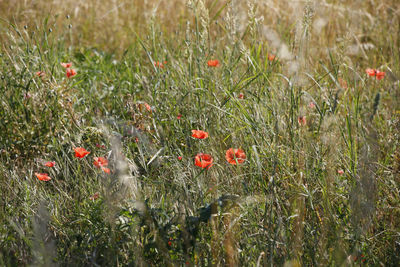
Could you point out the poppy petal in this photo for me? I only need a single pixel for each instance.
(66, 65)
(42, 176)
(70, 73)
(80, 152)
(199, 134)
(213, 63)
(203, 160)
(235, 156)
(50, 164)
(100, 162)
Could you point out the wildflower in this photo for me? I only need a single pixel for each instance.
(179, 116)
(27, 95)
(370, 72)
(66, 65)
(235, 156)
(362, 258)
(70, 73)
(302, 120)
(80, 152)
(101, 146)
(147, 106)
(199, 134)
(203, 160)
(100, 162)
(343, 83)
(40, 73)
(50, 164)
(159, 64)
(340, 172)
(106, 170)
(378, 74)
(95, 196)
(169, 243)
(42, 176)
(271, 57)
(213, 63)
(241, 96)
(180, 158)
(311, 105)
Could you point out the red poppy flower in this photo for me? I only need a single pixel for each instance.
(199, 134)
(370, 72)
(42, 176)
(213, 63)
(40, 73)
(302, 120)
(179, 116)
(80, 152)
(70, 73)
(235, 156)
(159, 64)
(343, 83)
(106, 170)
(362, 258)
(380, 75)
(241, 96)
(203, 160)
(271, 57)
(100, 162)
(340, 171)
(179, 158)
(95, 196)
(27, 95)
(101, 146)
(66, 65)
(50, 164)
(147, 106)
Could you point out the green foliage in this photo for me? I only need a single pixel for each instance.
(287, 204)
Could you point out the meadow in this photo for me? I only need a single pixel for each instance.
(200, 133)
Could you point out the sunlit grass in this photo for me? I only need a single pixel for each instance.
(313, 174)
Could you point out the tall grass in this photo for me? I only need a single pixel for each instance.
(324, 191)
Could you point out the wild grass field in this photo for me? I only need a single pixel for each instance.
(200, 133)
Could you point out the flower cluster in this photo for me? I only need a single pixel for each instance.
(99, 162)
(68, 70)
(159, 64)
(379, 75)
(234, 156)
(44, 176)
(80, 152)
